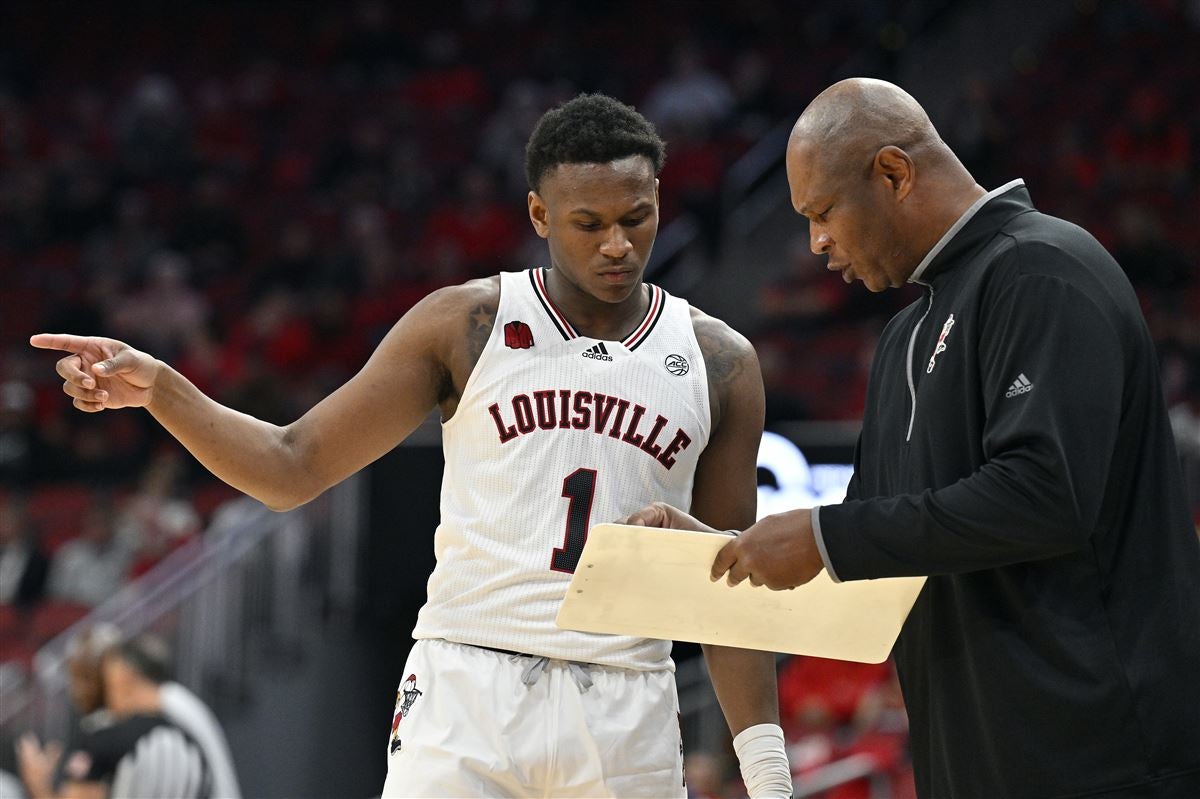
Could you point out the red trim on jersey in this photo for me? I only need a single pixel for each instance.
(540, 285)
(652, 314)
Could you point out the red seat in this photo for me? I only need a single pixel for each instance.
(17, 650)
(209, 496)
(10, 620)
(59, 507)
(51, 618)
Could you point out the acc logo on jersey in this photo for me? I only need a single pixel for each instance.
(518, 336)
(677, 365)
(405, 698)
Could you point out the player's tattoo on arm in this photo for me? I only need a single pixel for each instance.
(724, 359)
(479, 328)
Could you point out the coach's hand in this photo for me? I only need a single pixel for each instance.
(779, 552)
(660, 514)
(101, 373)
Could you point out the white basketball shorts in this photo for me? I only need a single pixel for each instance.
(473, 722)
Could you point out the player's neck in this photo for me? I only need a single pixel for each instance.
(592, 317)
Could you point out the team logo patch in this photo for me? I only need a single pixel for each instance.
(941, 344)
(677, 365)
(405, 697)
(598, 352)
(518, 336)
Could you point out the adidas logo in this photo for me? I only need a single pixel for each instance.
(597, 352)
(1020, 386)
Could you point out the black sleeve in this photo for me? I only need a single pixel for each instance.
(854, 486)
(1047, 450)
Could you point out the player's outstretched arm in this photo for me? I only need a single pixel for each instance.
(404, 379)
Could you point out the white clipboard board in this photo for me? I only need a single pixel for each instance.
(654, 583)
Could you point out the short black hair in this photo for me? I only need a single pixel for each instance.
(590, 129)
(148, 655)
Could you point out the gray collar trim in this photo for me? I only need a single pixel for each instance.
(915, 277)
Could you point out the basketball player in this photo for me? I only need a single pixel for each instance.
(568, 396)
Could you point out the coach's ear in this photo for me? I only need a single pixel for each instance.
(539, 215)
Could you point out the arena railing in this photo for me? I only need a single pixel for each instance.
(238, 591)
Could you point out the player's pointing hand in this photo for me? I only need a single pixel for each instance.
(660, 514)
(101, 373)
(779, 552)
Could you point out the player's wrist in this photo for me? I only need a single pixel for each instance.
(762, 760)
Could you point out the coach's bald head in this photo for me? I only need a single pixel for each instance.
(878, 185)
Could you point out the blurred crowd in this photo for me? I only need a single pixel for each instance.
(1102, 124)
(256, 192)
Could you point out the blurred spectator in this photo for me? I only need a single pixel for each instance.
(692, 98)
(1144, 253)
(502, 143)
(153, 130)
(23, 565)
(475, 226)
(167, 311)
(156, 520)
(90, 568)
(210, 229)
(18, 432)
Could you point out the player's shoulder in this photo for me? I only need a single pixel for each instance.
(452, 301)
(717, 337)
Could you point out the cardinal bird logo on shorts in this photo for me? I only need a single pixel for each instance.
(405, 697)
(518, 336)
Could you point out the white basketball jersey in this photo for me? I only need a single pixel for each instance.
(554, 433)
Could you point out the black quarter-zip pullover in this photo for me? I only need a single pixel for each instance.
(1016, 448)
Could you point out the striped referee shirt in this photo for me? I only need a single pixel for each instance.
(142, 757)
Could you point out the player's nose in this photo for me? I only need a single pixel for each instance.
(616, 243)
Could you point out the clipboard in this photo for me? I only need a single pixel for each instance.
(654, 583)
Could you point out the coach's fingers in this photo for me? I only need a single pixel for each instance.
(724, 560)
(70, 369)
(737, 574)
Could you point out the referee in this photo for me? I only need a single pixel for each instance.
(128, 749)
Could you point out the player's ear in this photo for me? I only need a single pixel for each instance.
(657, 199)
(539, 215)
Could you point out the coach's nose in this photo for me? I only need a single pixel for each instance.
(818, 238)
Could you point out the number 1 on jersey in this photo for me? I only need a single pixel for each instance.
(580, 488)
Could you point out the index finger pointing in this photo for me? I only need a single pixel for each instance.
(58, 341)
(724, 560)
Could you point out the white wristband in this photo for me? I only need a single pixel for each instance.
(763, 762)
